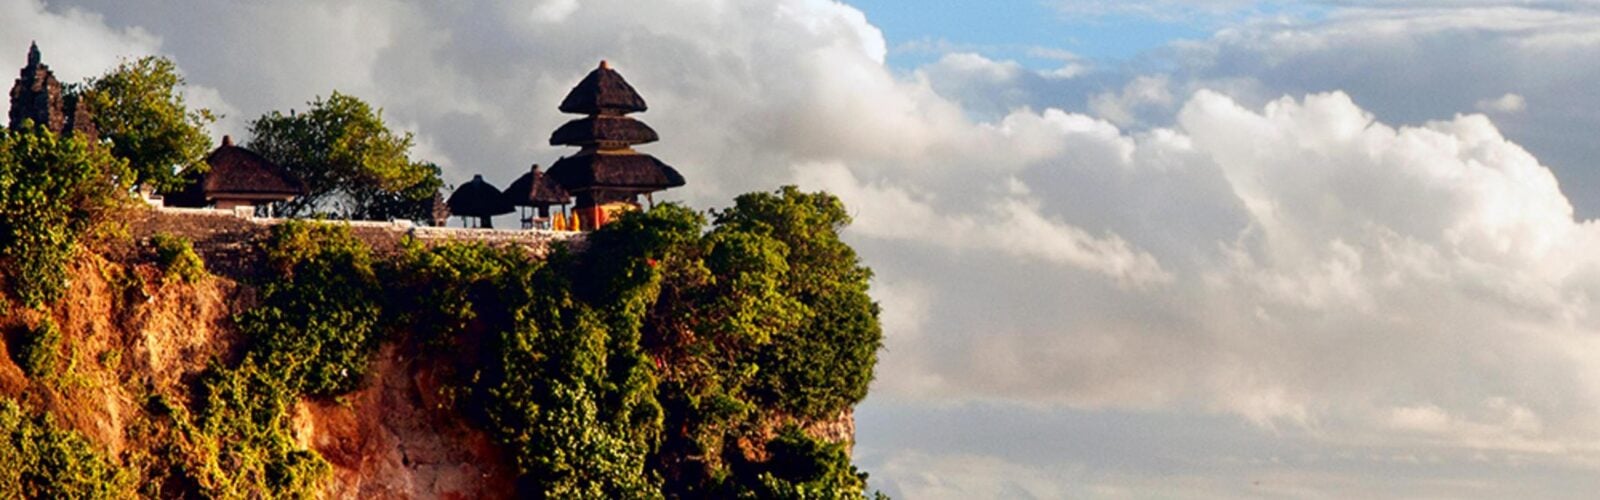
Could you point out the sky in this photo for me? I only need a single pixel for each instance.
(1135, 249)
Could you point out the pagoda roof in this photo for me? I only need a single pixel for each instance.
(603, 129)
(477, 198)
(236, 170)
(617, 170)
(535, 189)
(603, 91)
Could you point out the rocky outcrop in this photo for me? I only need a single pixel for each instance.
(398, 438)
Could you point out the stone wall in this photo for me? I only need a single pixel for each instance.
(227, 239)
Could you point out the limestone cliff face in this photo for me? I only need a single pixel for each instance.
(397, 439)
(129, 334)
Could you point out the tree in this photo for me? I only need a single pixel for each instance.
(53, 190)
(826, 363)
(140, 107)
(351, 163)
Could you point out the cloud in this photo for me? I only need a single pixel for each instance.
(1142, 92)
(1355, 268)
(1509, 103)
(1009, 225)
(76, 43)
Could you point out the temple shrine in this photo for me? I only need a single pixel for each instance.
(37, 96)
(607, 176)
(237, 177)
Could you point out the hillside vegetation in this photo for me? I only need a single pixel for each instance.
(672, 353)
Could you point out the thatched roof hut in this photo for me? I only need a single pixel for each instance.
(237, 177)
(535, 189)
(478, 198)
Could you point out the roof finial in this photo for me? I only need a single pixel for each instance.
(604, 64)
(33, 54)
(227, 140)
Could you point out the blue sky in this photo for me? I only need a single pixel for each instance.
(1254, 249)
(1014, 29)
(1026, 30)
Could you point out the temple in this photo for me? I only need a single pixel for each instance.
(238, 177)
(37, 97)
(606, 176)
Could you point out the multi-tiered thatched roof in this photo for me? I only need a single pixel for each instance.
(607, 169)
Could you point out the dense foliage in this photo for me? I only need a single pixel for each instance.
(352, 164)
(38, 459)
(139, 106)
(318, 319)
(37, 350)
(52, 191)
(639, 366)
(175, 255)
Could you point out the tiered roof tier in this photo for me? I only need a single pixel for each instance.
(606, 168)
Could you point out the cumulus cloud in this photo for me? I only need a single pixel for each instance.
(1352, 266)
(1011, 225)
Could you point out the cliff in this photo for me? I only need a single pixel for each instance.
(128, 333)
(431, 409)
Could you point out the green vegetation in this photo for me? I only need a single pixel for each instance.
(311, 336)
(38, 350)
(40, 460)
(636, 367)
(139, 106)
(52, 191)
(827, 363)
(318, 320)
(798, 467)
(353, 166)
(175, 255)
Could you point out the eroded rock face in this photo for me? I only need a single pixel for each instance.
(129, 333)
(397, 438)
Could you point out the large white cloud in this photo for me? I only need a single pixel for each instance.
(1190, 244)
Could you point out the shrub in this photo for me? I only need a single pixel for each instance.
(52, 191)
(40, 460)
(317, 323)
(175, 255)
(38, 350)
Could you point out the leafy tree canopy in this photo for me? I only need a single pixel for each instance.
(52, 191)
(139, 106)
(352, 164)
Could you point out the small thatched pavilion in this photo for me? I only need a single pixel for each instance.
(478, 198)
(607, 176)
(538, 191)
(238, 177)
